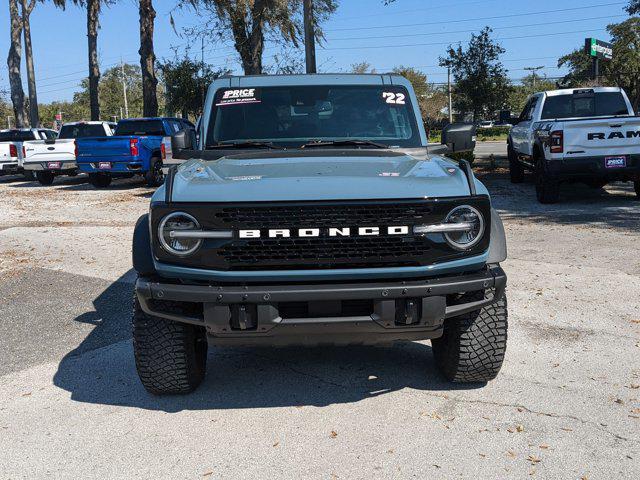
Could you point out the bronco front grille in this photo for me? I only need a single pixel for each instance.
(320, 252)
(326, 215)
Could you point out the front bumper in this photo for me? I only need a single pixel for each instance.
(594, 167)
(65, 165)
(397, 310)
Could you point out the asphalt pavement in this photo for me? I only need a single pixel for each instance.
(565, 405)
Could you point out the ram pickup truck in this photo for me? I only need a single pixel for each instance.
(136, 148)
(312, 212)
(57, 156)
(588, 135)
(11, 151)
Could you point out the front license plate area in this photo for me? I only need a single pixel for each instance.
(104, 166)
(54, 165)
(615, 162)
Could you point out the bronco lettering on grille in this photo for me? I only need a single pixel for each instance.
(328, 232)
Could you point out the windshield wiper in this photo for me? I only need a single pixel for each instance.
(249, 144)
(344, 143)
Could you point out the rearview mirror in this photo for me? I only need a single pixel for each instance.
(459, 137)
(182, 140)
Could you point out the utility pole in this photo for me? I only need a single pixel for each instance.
(533, 71)
(9, 122)
(124, 90)
(449, 93)
(309, 36)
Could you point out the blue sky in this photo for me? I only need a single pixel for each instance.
(408, 32)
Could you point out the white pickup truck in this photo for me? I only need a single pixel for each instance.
(11, 151)
(57, 156)
(588, 135)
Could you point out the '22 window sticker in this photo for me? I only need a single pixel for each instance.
(394, 98)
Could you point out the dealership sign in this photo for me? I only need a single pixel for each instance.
(598, 49)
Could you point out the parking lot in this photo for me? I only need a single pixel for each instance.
(565, 405)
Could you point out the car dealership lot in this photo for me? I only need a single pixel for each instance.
(566, 404)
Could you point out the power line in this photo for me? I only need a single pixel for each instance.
(460, 41)
(475, 30)
(495, 17)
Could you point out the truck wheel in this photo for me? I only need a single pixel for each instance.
(29, 175)
(547, 188)
(100, 180)
(516, 172)
(154, 177)
(171, 357)
(473, 345)
(45, 178)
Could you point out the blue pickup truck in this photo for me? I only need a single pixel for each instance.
(136, 148)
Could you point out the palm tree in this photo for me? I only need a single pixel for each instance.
(13, 64)
(147, 59)
(93, 25)
(27, 8)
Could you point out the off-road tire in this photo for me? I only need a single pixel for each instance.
(45, 177)
(170, 357)
(100, 180)
(473, 345)
(547, 188)
(516, 171)
(154, 177)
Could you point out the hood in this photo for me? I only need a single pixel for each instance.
(317, 175)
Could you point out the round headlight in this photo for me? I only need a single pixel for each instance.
(173, 234)
(467, 238)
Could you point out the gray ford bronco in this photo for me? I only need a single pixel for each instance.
(312, 212)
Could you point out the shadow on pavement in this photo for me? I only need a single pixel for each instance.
(101, 369)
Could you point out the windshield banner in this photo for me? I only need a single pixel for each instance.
(238, 96)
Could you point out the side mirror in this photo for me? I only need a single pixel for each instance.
(182, 140)
(459, 137)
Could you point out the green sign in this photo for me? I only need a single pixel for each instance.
(598, 49)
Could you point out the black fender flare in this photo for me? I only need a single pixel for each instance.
(141, 253)
(498, 242)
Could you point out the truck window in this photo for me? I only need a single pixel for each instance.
(140, 127)
(294, 115)
(584, 104)
(82, 130)
(16, 136)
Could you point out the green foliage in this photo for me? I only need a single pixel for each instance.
(431, 100)
(186, 82)
(111, 92)
(481, 83)
(623, 71)
(362, 67)
(519, 93)
(633, 7)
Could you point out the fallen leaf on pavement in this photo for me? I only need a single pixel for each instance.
(207, 474)
(520, 428)
(333, 434)
(533, 459)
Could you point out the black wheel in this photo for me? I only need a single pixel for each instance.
(547, 188)
(154, 177)
(29, 175)
(473, 345)
(516, 172)
(171, 357)
(45, 177)
(100, 180)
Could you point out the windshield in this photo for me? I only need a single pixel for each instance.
(16, 136)
(82, 130)
(140, 127)
(584, 104)
(293, 116)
